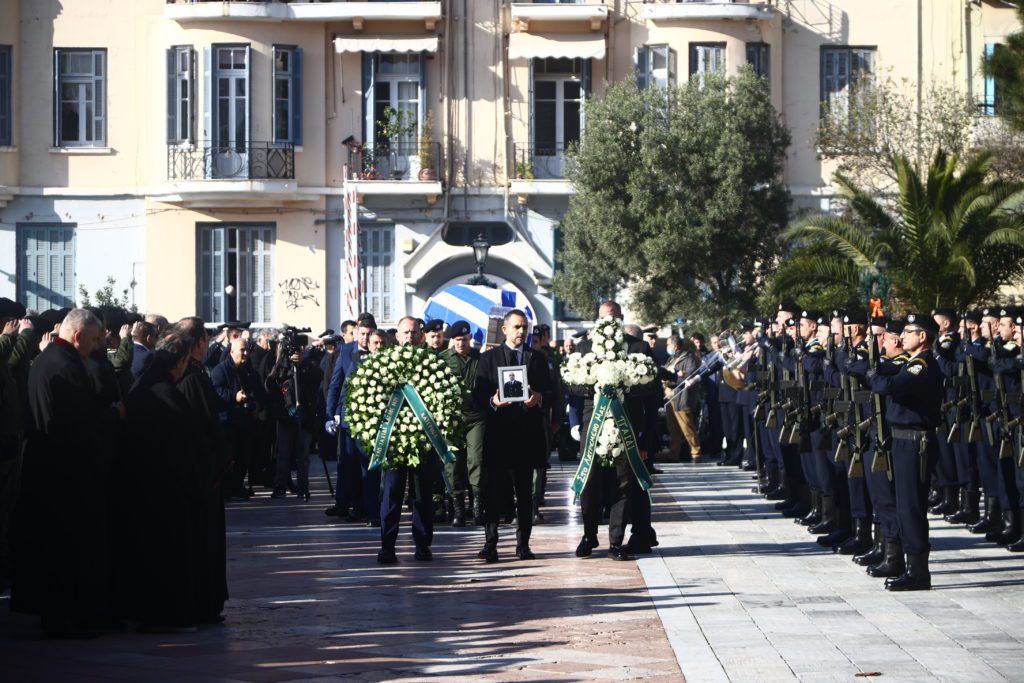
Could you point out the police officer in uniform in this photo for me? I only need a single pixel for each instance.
(465, 473)
(945, 356)
(916, 392)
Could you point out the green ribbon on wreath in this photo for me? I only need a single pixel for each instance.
(401, 394)
(607, 401)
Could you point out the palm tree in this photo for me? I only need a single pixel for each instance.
(951, 239)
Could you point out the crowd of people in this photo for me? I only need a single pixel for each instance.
(860, 425)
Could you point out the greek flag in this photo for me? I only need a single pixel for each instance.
(475, 304)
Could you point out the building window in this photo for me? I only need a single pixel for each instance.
(80, 97)
(559, 86)
(706, 59)
(844, 70)
(6, 107)
(236, 272)
(46, 266)
(287, 94)
(181, 94)
(989, 105)
(397, 87)
(759, 59)
(655, 66)
(376, 270)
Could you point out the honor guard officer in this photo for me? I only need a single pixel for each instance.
(433, 335)
(916, 392)
(946, 344)
(968, 446)
(1005, 365)
(465, 473)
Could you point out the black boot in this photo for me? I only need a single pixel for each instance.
(440, 512)
(1017, 546)
(460, 510)
(842, 532)
(489, 553)
(915, 578)
(478, 508)
(996, 532)
(587, 544)
(877, 552)
(772, 480)
(1011, 527)
(860, 542)
(968, 513)
(828, 517)
(523, 551)
(991, 519)
(934, 496)
(801, 501)
(779, 492)
(947, 505)
(892, 565)
(814, 516)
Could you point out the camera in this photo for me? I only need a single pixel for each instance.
(293, 339)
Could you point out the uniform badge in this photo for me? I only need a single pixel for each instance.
(915, 369)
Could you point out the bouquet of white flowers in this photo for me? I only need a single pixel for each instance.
(609, 369)
(373, 386)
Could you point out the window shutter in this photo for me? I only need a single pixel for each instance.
(423, 94)
(56, 98)
(640, 65)
(191, 94)
(297, 96)
(673, 59)
(209, 125)
(369, 59)
(532, 129)
(988, 105)
(172, 99)
(248, 98)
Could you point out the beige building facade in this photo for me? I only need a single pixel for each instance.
(201, 153)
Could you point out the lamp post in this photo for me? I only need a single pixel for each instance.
(480, 249)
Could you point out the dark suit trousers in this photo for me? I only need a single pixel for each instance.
(626, 489)
(496, 492)
(422, 506)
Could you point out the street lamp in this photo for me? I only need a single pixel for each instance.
(480, 248)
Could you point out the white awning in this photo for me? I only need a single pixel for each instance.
(571, 45)
(410, 43)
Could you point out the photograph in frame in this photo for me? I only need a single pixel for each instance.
(512, 386)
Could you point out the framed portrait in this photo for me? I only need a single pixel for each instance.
(512, 387)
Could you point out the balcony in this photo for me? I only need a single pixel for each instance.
(690, 10)
(540, 169)
(399, 169)
(356, 12)
(209, 175)
(559, 14)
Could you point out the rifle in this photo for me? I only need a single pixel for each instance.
(963, 396)
(841, 407)
(1002, 408)
(882, 461)
(772, 421)
(1020, 399)
(972, 380)
(858, 397)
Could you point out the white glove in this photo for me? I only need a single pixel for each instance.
(331, 427)
(575, 433)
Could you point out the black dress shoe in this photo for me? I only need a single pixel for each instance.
(304, 495)
(387, 557)
(354, 518)
(637, 548)
(489, 553)
(620, 553)
(586, 546)
(334, 511)
(749, 468)
(279, 493)
(523, 552)
(424, 554)
(373, 523)
(538, 518)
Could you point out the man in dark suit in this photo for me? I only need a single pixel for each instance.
(513, 387)
(514, 440)
(242, 396)
(357, 494)
(628, 500)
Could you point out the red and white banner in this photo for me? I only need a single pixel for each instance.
(350, 304)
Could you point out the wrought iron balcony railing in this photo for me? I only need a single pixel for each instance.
(244, 161)
(539, 161)
(396, 161)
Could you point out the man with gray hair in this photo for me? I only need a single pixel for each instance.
(61, 570)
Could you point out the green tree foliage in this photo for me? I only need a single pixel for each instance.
(105, 296)
(677, 197)
(951, 238)
(1006, 66)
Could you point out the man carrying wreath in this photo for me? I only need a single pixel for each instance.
(514, 440)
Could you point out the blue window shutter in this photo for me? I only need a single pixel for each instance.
(297, 96)
(191, 94)
(248, 96)
(6, 94)
(988, 105)
(640, 65)
(368, 64)
(56, 98)
(172, 99)
(209, 125)
(585, 73)
(46, 266)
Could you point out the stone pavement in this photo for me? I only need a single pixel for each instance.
(746, 595)
(309, 603)
(735, 592)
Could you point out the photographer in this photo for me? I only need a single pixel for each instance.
(242, 396)
(292, 386)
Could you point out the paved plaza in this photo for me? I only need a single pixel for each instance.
(735, 592)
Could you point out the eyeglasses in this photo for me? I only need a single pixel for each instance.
(919, 330)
